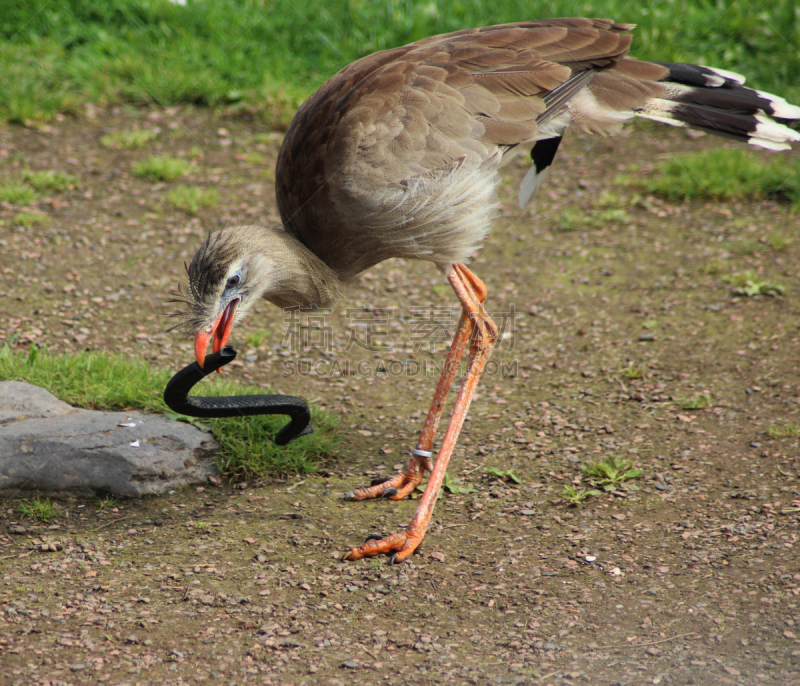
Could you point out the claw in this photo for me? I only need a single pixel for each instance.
(350, 496)
(373, 537)
(389, 492)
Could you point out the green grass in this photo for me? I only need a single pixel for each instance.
(161, 168)
(17, 193)
(257, 338)
(613, 216)
(789, 430)
(49, 180)
(724, 173)
(578, 220)
(128, 140)
(572, 220)
(779, 242)
(610, 200)
(698, 402)
(113, 382)
(37, 508)
(191, 198)
(57, 54)
(26, 186)
(29, 219)
(752, 246)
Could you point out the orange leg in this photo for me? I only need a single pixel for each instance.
(404, 483)
(471, 293)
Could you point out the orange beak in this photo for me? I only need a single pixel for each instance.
(220, 332)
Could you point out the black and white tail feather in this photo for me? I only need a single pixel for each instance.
(701, 98)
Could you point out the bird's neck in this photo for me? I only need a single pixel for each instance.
(298, 277)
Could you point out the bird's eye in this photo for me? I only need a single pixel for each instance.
(233, 281)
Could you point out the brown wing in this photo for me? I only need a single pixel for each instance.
(387, 121)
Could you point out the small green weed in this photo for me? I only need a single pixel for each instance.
(129, 140)
(456, 486)
(453, 485)
(714, 267)
(577, 220)
(161, 168)
(747, 284)
(790, 430)
(634, 371)
(50, 180)
(255, 339)
(191, 198)
(575, 497)
(614, 216)
(29, 219)
(17, 193)
(697, 402)
(107, 503)
(439, 289)
(40, 508)
(779, 242)
(608, 199)
(572, 220)
(747, 246)
(256, 158)
(611, 473)
(504, 474)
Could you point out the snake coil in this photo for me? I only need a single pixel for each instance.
(176, 396)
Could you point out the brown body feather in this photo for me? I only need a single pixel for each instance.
(396, 155)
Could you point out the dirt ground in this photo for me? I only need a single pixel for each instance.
(623, 317)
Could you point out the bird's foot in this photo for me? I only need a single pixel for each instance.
(398, 486)
(402, 545)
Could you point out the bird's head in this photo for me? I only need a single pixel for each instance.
(236, 266)
(226, 276)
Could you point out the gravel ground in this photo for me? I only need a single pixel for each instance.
(623, 318)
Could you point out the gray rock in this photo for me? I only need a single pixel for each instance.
(20, 400)
(47, 445)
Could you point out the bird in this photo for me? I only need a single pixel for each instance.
(397, 155)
